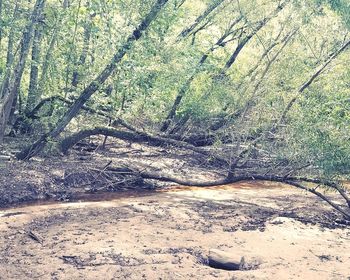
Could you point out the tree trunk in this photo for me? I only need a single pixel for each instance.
(84, 53)
(48, 54)
(34, 70)
(176, 103)
(14, 85)
(94, 85)
(9, 54)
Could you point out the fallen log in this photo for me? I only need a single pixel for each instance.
(135, 136)
(292, 181)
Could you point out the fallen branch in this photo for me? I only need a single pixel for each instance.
(35, 237)
(292, 181)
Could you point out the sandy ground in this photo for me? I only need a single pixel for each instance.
(167, 235)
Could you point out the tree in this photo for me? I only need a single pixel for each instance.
(12, 89)
(94, 85)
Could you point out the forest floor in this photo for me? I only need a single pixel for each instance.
(159, 231)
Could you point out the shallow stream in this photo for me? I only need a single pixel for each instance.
(222, 192)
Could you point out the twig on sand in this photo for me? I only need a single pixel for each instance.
(36, 237)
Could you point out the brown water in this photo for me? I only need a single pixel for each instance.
(239, 186)
(253, 185)
(122, 195)
(85, 197)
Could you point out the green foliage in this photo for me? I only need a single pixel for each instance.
(340, 6)
(249, 97)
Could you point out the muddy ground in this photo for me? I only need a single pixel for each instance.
(167, 235)
(61, 218)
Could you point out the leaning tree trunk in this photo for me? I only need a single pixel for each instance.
(34, 149)
(14, 85)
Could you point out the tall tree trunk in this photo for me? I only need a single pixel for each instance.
(48, 54)
(94, 85)
(34, 70)
(9, 54)
(15, 81)
(84, 53)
